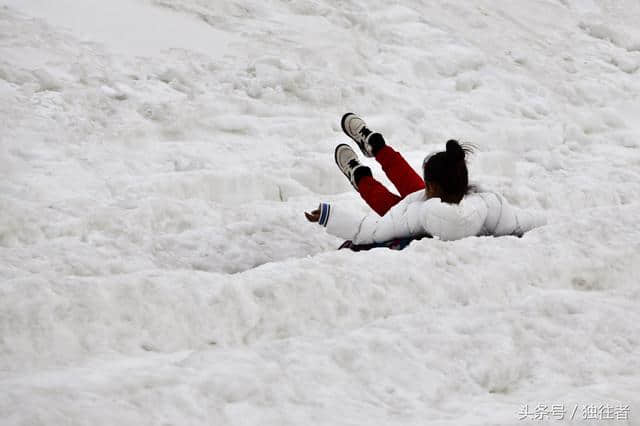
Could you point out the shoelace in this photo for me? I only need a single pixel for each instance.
(364, 132)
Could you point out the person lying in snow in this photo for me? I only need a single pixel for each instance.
(443, 205)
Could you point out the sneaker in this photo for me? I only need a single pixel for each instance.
(357, 129)
(347, 161)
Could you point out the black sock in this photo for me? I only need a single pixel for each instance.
(361, 172)
(376, 141)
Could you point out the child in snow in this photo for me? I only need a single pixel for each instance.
(442, 205)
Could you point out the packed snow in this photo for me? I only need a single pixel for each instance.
(156, 157)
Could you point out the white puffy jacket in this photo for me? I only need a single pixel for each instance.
(481, 213)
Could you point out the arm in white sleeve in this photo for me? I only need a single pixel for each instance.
(516, 221)
(339, 221)
(367, 229)
(376, 229)
(528, 220)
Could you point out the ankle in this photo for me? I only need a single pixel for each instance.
(361, 172)
(376, 142)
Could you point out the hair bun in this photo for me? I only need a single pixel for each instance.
(454, 150)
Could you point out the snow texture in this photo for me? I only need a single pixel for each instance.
(155, 160)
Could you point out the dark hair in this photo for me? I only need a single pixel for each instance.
(448, 169)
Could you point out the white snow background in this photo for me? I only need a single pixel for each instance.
(155, 160)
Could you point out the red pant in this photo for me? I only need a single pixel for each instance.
(403, 177)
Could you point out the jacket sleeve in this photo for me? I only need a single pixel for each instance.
(339, 222)
(527, 220)
(366, 229)
(510, 220)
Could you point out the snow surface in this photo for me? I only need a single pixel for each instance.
(155, 160)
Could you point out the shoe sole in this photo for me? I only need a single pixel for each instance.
(335, 156)
(342, 122)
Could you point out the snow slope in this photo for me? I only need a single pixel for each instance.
(155, 264)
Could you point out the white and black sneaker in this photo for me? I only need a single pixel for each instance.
(355, 127)
(347, 161)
